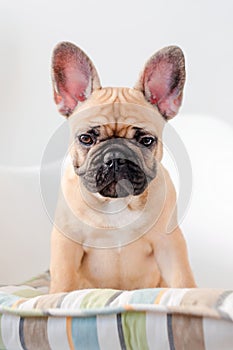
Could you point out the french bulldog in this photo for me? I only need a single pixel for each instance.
(116, 219)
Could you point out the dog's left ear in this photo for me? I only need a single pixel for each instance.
(162, 80)
(74, 77)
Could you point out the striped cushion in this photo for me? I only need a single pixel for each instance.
(158, 319)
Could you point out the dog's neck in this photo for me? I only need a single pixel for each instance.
(115, 220)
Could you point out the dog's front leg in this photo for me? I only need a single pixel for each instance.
(172, 259)
(66, 258)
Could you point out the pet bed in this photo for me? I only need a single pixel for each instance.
(106, 319)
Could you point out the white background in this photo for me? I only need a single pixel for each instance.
(119, 36)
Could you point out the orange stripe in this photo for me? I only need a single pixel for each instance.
(18, 302)
(128, 307)
(69, 332)
(159, 296)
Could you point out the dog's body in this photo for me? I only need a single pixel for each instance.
(115, 224)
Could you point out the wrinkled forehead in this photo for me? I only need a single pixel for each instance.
(117, 118)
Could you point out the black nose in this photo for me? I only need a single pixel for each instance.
(116, 163)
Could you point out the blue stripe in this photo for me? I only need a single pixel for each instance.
(120, 332)
(170, 332)
(21, 333)
(7, 299)
(84, 333)
(113, 297)
(144, 296)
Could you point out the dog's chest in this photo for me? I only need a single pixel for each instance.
(128, 267)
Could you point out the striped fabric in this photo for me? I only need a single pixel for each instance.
(105, 319)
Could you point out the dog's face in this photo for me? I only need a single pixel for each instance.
(117, 166)
(116, 133)
(114, 156)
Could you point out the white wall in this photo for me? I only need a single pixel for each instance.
(119, 36)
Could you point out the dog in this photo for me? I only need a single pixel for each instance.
(116, 219)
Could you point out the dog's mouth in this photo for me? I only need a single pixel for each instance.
(116, 189)
(120, 189)
(120, 178)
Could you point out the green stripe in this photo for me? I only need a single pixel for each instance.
(134, 329)
(27, 293)
(97, 298)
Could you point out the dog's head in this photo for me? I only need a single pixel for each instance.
(117, 132)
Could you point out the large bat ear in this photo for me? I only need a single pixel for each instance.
(162, 80)
(74, 77)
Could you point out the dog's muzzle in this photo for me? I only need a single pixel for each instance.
(120, 177)
(115, 171)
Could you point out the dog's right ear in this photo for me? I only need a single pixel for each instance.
(74, 77)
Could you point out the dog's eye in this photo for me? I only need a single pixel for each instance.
(147, 141)
(87, 139)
